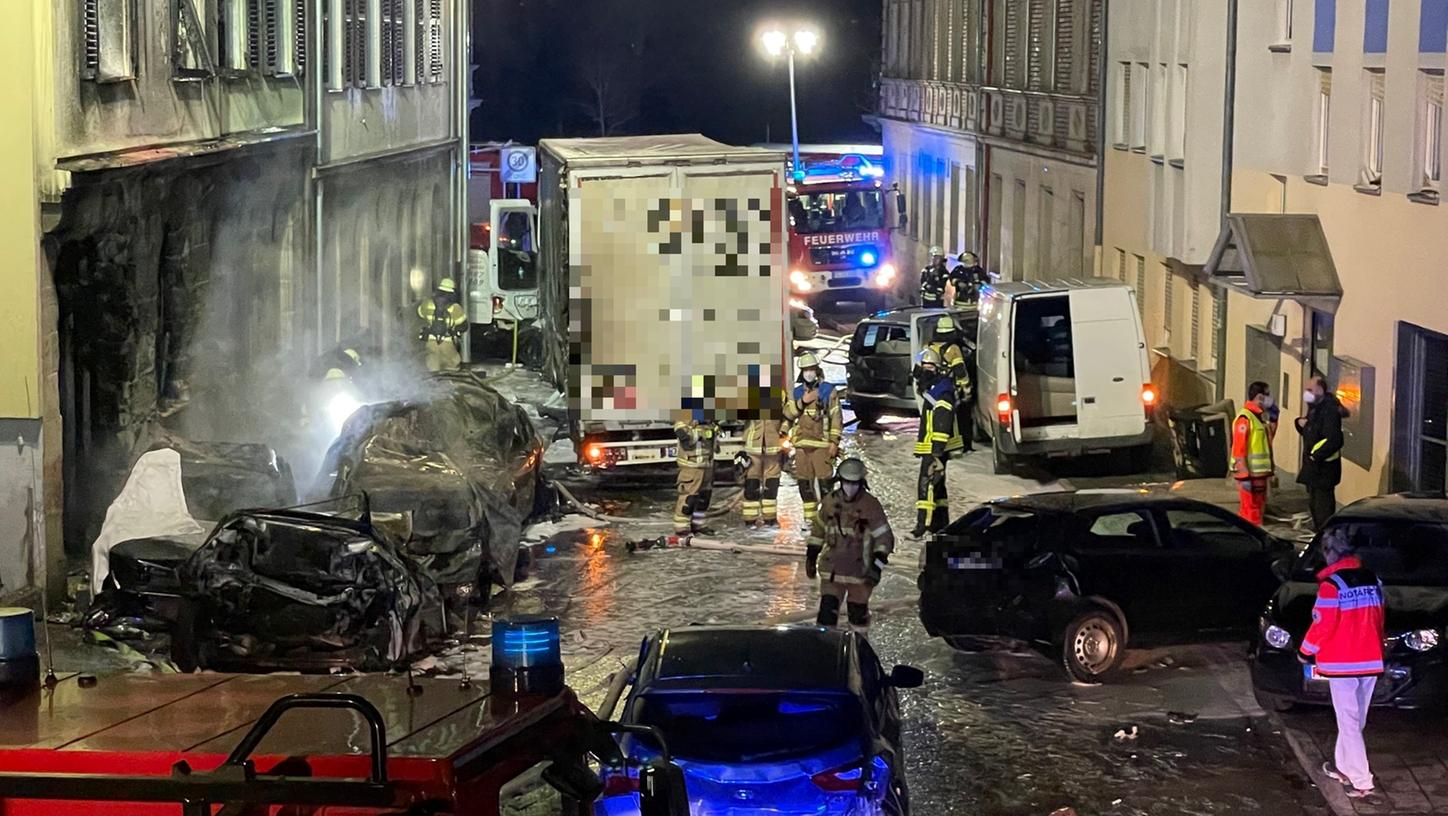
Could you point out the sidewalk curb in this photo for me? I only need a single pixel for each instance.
(1331, 793)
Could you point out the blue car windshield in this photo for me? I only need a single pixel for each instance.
(1401, 553)
(713, 726)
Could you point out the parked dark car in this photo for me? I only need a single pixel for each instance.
(882, 353)
(780, 720)
(1083, 575)
(1402, 538)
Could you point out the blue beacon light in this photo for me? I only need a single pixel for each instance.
(527, 656)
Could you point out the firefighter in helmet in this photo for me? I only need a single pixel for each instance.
(443, 323)
(948, 344)
(698, 442)
(812, 415)
(763, 443)
(967, 277)
(933, 280)
(936, 439)
(855, 541)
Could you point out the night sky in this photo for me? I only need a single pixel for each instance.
(668, 66)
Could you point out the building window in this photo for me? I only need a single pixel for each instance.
(1430, 130)
(191, 43)
(1177, 137)
(1320, 353)
(262, 36)
(1158, 94)
(1375, 27)
(1139, 103)
(1372, 175)
(355, 25)
(1122, 138)
(434, 41)
(237, 21)
(1324, 26)
(109, 47)
(1433, 26)
(1322, 113)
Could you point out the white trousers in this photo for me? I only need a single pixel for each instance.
(1351, 697)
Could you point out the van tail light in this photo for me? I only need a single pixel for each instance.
(497, 304)
(620, 784)
(841, 779)
(1004, 408)
(1149, 397)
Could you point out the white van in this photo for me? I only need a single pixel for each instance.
(1062, 370)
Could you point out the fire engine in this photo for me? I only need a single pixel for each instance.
(309, 745)
(839, 232)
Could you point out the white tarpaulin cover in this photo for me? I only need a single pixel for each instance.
(151, 504)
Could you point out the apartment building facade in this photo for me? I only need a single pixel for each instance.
(223, 189)
(989, 121)
(1163, 168)
(1339, 109)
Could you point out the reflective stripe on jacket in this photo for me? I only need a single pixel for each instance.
(938, 435)
(851, 534)
(815, 425)
(697, 444)
(1346, 636)
(1251, 450)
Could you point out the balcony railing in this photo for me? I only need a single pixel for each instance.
(1060, 121)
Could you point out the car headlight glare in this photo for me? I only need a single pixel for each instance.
(1421, 640)
(1277, 637)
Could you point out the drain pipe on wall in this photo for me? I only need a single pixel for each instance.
(1102, 65)
(1229, 116)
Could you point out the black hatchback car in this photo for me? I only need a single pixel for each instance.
(1404, 539)
(1086, 574)
(780, 720)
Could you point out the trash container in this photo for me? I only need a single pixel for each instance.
(1200, 441)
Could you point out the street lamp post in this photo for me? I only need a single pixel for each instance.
(804, 41)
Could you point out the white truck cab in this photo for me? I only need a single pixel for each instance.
(504, 277)
(1062, 370)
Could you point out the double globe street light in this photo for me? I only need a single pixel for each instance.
(804, 41)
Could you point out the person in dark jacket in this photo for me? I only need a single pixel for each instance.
(1321, 431)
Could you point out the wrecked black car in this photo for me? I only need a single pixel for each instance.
(1087, 574)
(460, 462)
(303, 590)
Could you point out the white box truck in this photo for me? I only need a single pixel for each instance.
(1062, 370)
(663, 289)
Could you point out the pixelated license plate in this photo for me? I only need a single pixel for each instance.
(1310, 674)
(651, 454)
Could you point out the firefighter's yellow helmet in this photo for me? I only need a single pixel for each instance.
(334, 374)
(806, 360)
(945, 324)
(446, 285)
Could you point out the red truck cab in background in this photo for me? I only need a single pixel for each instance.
(839, 227)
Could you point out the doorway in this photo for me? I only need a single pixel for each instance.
(1420, 416)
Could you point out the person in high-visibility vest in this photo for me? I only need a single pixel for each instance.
(937, 438)
(1321, 431)
(698, 442)
(763, 441)
(812, 415)
(1252, 454)
(443, 325)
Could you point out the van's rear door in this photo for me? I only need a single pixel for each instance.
(1110, 359)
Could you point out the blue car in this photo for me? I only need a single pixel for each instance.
(767, 720)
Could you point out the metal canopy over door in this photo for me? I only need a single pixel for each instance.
(1108, 352)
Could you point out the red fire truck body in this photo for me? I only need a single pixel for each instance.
(839, 241)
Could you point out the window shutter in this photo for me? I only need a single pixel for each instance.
(386, 41)
(91, 24)
(1012, 50)
(421, 39)
(1166, 298)
(273, 37)
(434, 56)
(1141, 284)
(399, 42)
(1065, 44)
(1196, 286)
(1093, 48)
(1036, 52)
(299, 36)
(255, 36)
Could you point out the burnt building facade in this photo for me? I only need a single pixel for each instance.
(224, 190)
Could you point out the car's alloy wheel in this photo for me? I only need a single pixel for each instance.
(1092, 647)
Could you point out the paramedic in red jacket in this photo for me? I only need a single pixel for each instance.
(1345, 645)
